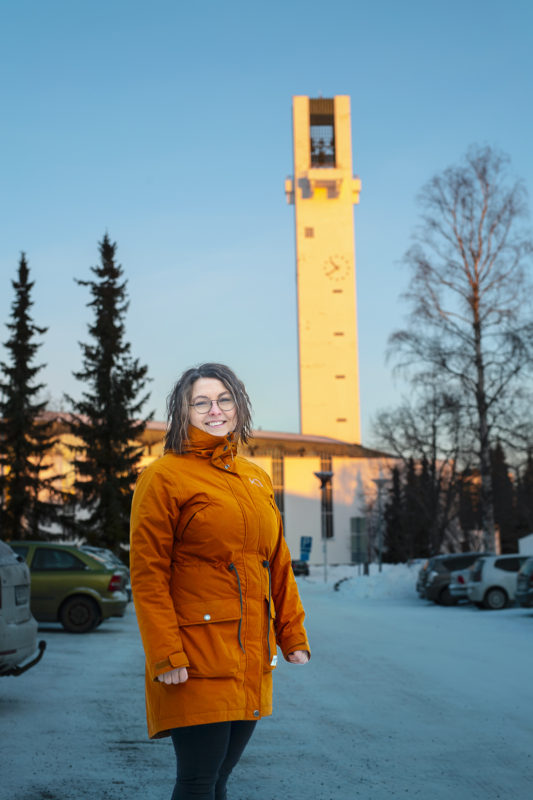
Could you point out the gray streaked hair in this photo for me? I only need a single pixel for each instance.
(180, 396)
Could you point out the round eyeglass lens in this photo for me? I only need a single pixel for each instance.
(225, 403)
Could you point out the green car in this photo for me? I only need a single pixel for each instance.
(72, 587)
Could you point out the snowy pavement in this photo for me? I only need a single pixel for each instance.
(402, 698)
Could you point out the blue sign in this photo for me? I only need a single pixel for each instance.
(306, 542)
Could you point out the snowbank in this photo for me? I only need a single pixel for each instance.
(395, 581)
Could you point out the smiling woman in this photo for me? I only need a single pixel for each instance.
(212, 583)
(212, 407)
(194, 400)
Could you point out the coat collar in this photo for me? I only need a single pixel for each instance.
(205, 445)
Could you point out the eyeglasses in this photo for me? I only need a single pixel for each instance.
(203, 405)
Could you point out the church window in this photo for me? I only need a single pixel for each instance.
(278, 483)
(327, 499)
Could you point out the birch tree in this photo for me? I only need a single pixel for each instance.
(470, 319)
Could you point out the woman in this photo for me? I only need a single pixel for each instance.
(212, 583)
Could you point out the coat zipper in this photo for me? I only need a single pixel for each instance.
(266, 564)
(233, 568)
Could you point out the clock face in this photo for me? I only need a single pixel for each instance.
(337, 267)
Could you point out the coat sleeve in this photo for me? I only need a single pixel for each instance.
(154, 516)
(290, 632)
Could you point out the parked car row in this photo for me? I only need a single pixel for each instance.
(485, 579)
(435, 575)
(79, 587)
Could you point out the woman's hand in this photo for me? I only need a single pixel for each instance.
(298, 657)
(179, 675)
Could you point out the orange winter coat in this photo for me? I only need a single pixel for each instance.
(212, 584)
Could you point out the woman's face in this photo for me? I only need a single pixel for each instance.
(213, 419)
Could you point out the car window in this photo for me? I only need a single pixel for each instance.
(508, 564)
(460, 562)
(20, 549)
(467, 561)
(476, 569)
(48, 558)
(100, 557)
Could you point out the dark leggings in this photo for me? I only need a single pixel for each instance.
(206, 754)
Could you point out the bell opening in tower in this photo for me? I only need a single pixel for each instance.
(322, 132)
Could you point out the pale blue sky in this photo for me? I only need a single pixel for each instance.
(168, 124)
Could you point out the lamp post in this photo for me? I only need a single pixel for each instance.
(325, 480)
(380, 483)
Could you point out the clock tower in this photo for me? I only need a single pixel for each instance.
(323, 192)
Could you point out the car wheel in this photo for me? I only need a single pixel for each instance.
(495, 599)
(79, 614)
(445, 598)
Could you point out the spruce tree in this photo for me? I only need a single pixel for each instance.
(504, 500)
(397, 547)
(418, 539)
(106, 421)
(469, 511)
(25, 437)
(524, 499)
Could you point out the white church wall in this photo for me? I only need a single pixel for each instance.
(354, 493)
(302, 504)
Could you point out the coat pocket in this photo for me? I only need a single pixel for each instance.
(270, 657)
(209, 631)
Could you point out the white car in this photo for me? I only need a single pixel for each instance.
(492, 580)
(18, 629)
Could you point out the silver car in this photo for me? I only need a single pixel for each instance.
(492, 580)
(18, 629)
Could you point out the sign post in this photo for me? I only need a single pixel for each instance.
(325, 478)
(306, 543)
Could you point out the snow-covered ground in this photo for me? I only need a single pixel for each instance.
(401, 698)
